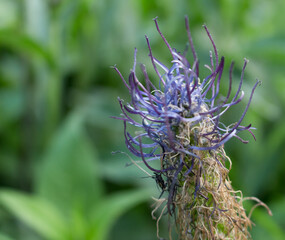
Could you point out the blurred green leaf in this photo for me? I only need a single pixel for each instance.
(36, 212)
(22, 43)
(68, 175)
(278, 209)
(11, 107)
(268, 223)
(36, 19)
(271, 49)
(276, 137)
(5, 237)
(8, 13)
(105, 213)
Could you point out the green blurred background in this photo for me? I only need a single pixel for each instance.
(57, 92)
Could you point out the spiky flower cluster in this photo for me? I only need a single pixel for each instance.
(180, 126)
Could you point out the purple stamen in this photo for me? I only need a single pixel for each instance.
(163, 38)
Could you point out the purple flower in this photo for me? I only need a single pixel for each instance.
(171, 107)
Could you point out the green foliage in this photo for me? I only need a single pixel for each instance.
(57, 93)
(70, 203)
(48, 220)
(4, 237)
(35, 212)
(68, 174)
(107, 211)
(265, 222)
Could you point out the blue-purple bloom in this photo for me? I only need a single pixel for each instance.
(177, 101)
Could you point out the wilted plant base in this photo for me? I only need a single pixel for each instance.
(201, 197)
(205, 206)
(215, 211)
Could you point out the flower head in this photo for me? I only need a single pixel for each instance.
(180, 101)
(180, 124)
